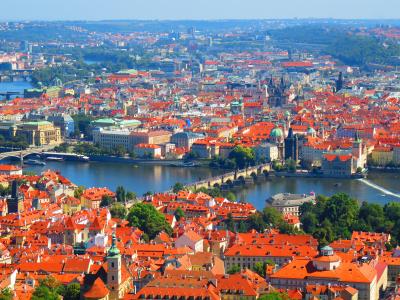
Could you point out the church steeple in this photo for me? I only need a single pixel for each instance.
(113, 251)
(114, 278)
(339, 82)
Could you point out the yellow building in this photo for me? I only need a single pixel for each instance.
(39, 133)
(382, 155)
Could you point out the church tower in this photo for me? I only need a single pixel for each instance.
(339, 82)
(277, 96)
(114, 278)
(15, 202)
(292, 146)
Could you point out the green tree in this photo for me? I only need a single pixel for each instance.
(72, 292)
(82, 124)
(272, 216)
(119, 151)
(230, 223)
(118, 210)
(47, 289)
(179, 213)
(79, 191)
(106, 201)
(44, 293)
(130, 195)
(309, 222)
(291, 165)
(148, 219)
(243, 156)
(120, 194)
(233, 270)
(178, 187)
(230, 196)
(6, 294)
(275, 296)
(372, 215)
(259, 267)
(256, 221)
(50, 282)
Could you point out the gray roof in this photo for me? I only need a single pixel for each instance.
(286, 199)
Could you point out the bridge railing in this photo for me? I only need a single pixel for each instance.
(219, 177)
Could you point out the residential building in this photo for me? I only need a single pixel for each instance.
(329, 269)
(147, 151)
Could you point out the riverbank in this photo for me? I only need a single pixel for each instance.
(315, 175)
(378, 188)
(384, 169)
(160, 162)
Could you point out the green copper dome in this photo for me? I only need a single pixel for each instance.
(113, 251)
(276, 132)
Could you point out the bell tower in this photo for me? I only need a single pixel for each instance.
(114, 269)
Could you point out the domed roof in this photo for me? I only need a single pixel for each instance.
(276, 132)
(113, 251)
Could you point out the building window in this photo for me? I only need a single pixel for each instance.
(112, 265)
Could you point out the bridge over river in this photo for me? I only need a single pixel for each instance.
(230, 179)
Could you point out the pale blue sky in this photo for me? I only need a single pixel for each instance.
(196, 9)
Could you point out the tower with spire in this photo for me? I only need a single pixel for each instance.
(15, 201)
(292, 146)
(114, 277)
(339, 82)
(277, 93)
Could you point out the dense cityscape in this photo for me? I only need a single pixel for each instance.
(200, 160)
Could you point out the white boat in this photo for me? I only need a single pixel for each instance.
(83, 158)
(54, 158)
(34, 162)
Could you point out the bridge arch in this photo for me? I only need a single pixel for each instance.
(241, 179)
(17, 155)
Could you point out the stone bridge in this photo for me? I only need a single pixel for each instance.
(232, 178)
(21, 154)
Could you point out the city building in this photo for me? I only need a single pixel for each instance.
(185, 139)
(266, 151)
(329, 269)
(39, 133)
(289, 203)
(64, 122)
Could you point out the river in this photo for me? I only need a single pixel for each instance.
(16, 86)
(378, 188)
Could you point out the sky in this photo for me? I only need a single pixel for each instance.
(196, 9)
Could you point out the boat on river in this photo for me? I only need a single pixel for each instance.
(54, 158)
(34, 162)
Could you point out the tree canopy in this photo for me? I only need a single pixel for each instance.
(338, 216)
(118, 210)
(148, 219)
(242, 156)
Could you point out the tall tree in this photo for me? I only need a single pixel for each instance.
(120, 194)
(148, 219)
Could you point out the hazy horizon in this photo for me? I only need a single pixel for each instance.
(72, 10)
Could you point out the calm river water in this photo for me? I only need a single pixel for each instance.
(17, 86)
(379, 187)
